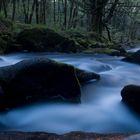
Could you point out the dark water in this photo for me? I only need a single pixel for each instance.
(101, 109)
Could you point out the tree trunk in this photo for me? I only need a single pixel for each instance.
(32, 12)
(0, 6)
(25, 12)
(59, 11)
(71, 14)
(54, 11)
(14, 10)
(74, 17)
(108, 33)
(65, 14)
(37, 12)
(4, 7)
(44, 11)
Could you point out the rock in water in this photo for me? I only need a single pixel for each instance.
(134, 58)
(41, 79)
(131, 96)
(85, 76)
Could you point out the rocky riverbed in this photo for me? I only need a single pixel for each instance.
(68, 136)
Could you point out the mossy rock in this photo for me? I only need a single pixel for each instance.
(82, 42)
(83, 39)
(38, 79)
(18, 27)
(42, 39)
(5, 25)
(113, 52)
(3, 45)
(41, 79)
(103, 51)
(73, 34)
(133, 57)
(94, 36)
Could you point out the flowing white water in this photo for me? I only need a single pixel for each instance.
(135, 49)
(101, 109)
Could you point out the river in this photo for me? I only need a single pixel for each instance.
(101, 109)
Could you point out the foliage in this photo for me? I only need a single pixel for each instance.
(87, 23)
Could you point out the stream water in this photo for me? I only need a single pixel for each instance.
(101, 109)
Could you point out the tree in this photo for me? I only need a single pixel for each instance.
(65, 14)
(14, 10)
(100, 13)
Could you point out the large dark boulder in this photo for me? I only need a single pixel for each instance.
(131, 96)
(40, 79)
(41, 39)
(133, 58)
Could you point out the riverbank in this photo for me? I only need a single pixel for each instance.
(17, 37)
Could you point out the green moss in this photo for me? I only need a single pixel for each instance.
(33, 35)
(87, 39)
(111, 51)
(94, 36)
(18, 27)
(44, 39)
(82, 42)
(5, 25)
(102, 51)
(92, 42)
(40, 38)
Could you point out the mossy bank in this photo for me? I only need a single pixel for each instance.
(15, 37)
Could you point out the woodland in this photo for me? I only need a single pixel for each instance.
(109, 18)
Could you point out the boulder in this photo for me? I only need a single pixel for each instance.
(42, 39)
(40, 79)
(85, 76)
(3, 45)
(5, 25)
(131, 96)
(133, 58)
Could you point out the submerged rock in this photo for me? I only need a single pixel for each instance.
(41, 79)
(131, 96)
(133, 58)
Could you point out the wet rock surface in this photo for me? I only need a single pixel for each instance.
(133, 58)
(85, 76)
(68, 136)
(131, 96)
(41, 79)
